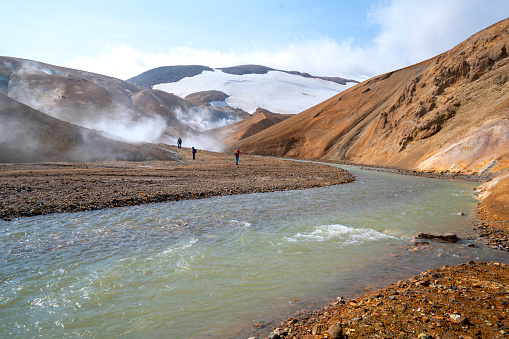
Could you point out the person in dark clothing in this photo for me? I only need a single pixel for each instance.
(193, 150)
(237, 154)
(179, 143)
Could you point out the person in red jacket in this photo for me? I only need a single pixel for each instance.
(237, 153)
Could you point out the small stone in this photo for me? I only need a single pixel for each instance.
(335, 331)
(317, 329)
(282, 332)
(459, 319)
(424, 336)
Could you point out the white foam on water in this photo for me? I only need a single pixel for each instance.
(181, 247)
(240, 224)
(349, 235)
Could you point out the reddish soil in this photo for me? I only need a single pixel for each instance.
(493, 213)
(464, 301)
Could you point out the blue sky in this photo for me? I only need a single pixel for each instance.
(125, 38)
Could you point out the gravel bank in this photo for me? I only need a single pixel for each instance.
(465, 301)
(43, 188)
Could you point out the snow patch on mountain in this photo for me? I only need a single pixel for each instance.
(276, 91)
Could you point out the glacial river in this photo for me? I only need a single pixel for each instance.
(212, 268)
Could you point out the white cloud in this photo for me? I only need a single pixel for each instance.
(409, 32)
(319, 57)
(413, 31)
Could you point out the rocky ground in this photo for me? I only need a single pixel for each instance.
(35, 189)
(465, 301)
(493, 212)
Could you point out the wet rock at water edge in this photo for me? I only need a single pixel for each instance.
(447, 237)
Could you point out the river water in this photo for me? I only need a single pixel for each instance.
(212, 268)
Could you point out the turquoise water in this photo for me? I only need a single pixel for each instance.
(213, 267)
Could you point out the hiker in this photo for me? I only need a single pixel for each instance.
(193, 150)
(237, 154)
(179, 143)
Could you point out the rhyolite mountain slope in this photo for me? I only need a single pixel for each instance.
(232, 133)
(246, 87)
(27, 135)
(449, 113)
(106, 104)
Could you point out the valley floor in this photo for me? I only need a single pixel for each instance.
(465, 301)
(43, 188)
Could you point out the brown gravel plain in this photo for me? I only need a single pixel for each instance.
(42, 188)
(464, 301)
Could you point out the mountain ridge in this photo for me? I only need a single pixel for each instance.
(422, 117)
(113, 106)
(171, 74)
(249, 87)
(233, 133)
(28, 135)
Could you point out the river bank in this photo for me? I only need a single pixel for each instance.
(463, 301)
(42, 188)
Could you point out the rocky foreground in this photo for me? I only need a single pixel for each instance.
(465, 301)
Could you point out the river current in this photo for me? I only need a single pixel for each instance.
(205, 268)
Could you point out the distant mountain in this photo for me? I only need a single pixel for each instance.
(106, 104)
(446, 114)
(246, 87)
(231, 134)
(165, 74)
(27, 135)
(257, 69)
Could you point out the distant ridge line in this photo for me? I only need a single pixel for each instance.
(171, 74)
